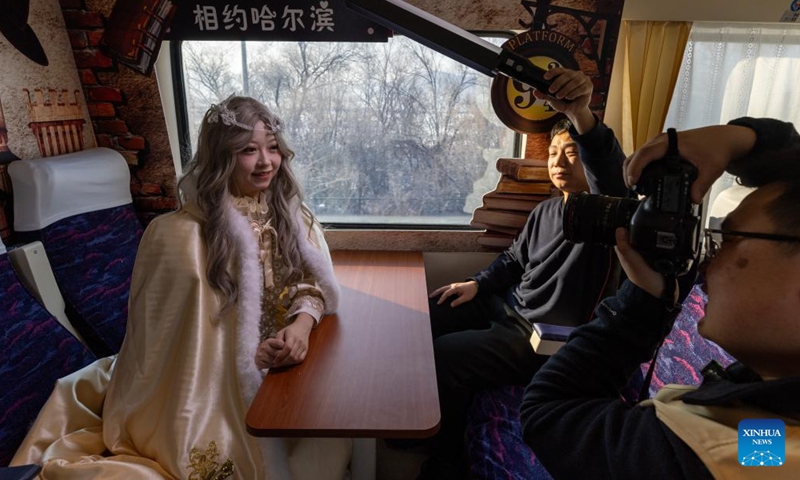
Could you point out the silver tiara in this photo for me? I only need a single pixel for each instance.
(226, 115)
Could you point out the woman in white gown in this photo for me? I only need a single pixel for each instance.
(226, 287)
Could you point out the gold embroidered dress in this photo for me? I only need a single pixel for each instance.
(172, 404)
(280, 301)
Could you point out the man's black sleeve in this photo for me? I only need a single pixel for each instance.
(765, 164)
(771, 134)
(506, 270)
(572, 414)
(602, 159)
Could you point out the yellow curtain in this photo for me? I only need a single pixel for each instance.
(653, 55)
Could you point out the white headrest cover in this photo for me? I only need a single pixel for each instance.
(2, 247)
(725, 203)
(47, 190)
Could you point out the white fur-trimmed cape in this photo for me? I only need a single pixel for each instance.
(316, 259)
(315, 256)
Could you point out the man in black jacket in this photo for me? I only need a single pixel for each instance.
(571, 413)
(482, 327)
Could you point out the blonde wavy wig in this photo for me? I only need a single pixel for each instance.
(213, 166)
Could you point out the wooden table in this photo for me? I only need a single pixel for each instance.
(370, 370)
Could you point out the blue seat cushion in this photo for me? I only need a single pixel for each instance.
(495, 448)
(684, 352)
(35, 351)
(92, 256)
(494, 438)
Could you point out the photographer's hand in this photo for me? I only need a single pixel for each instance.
(575, 86)
(637, 269)
(710, 149)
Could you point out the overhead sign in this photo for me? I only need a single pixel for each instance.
(576, 34)
(512, 100)
(272, 20)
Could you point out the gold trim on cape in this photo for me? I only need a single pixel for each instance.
(204, 465)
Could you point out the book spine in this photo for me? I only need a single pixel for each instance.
(523, 169)
(519, 203)
(497, 228)
(500, 217)
(509, 185)
(496, 242)
(508, 168)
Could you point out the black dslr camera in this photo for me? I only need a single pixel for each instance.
(664, 227)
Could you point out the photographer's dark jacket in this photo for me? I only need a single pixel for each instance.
(544, 277)
(578, 427)
(575, 422)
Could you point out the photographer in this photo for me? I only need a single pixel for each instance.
(482, 327)
(572, 414)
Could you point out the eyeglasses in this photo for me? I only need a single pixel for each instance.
(714, 238)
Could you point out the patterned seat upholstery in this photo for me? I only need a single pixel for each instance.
(684, 352)
(494, 444)
(79, 206)
(35, 351)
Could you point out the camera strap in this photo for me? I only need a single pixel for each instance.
(672, 143)
(668, 298)
(644, 391)
(668, 294)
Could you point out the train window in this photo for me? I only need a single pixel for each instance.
(736, 70)
(385, 134)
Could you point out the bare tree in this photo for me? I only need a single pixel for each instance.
(378, 129)
(208, 72)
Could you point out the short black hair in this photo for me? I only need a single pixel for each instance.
(767, 167)
(781, 167)
(784, 211)
(560, 127)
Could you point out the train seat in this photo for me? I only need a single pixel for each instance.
(79, 206)
(34, 271)
(494, 444)
(35, 351)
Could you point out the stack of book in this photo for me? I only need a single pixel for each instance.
(523, 184)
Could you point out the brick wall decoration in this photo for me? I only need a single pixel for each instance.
(43, 112)
(48, 89)
(56, 120)
(79, 98)
(125, 108)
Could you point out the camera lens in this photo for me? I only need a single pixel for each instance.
(594, 218)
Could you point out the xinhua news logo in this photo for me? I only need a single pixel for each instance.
(762, 442)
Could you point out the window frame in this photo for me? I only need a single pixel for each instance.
(185, 144)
